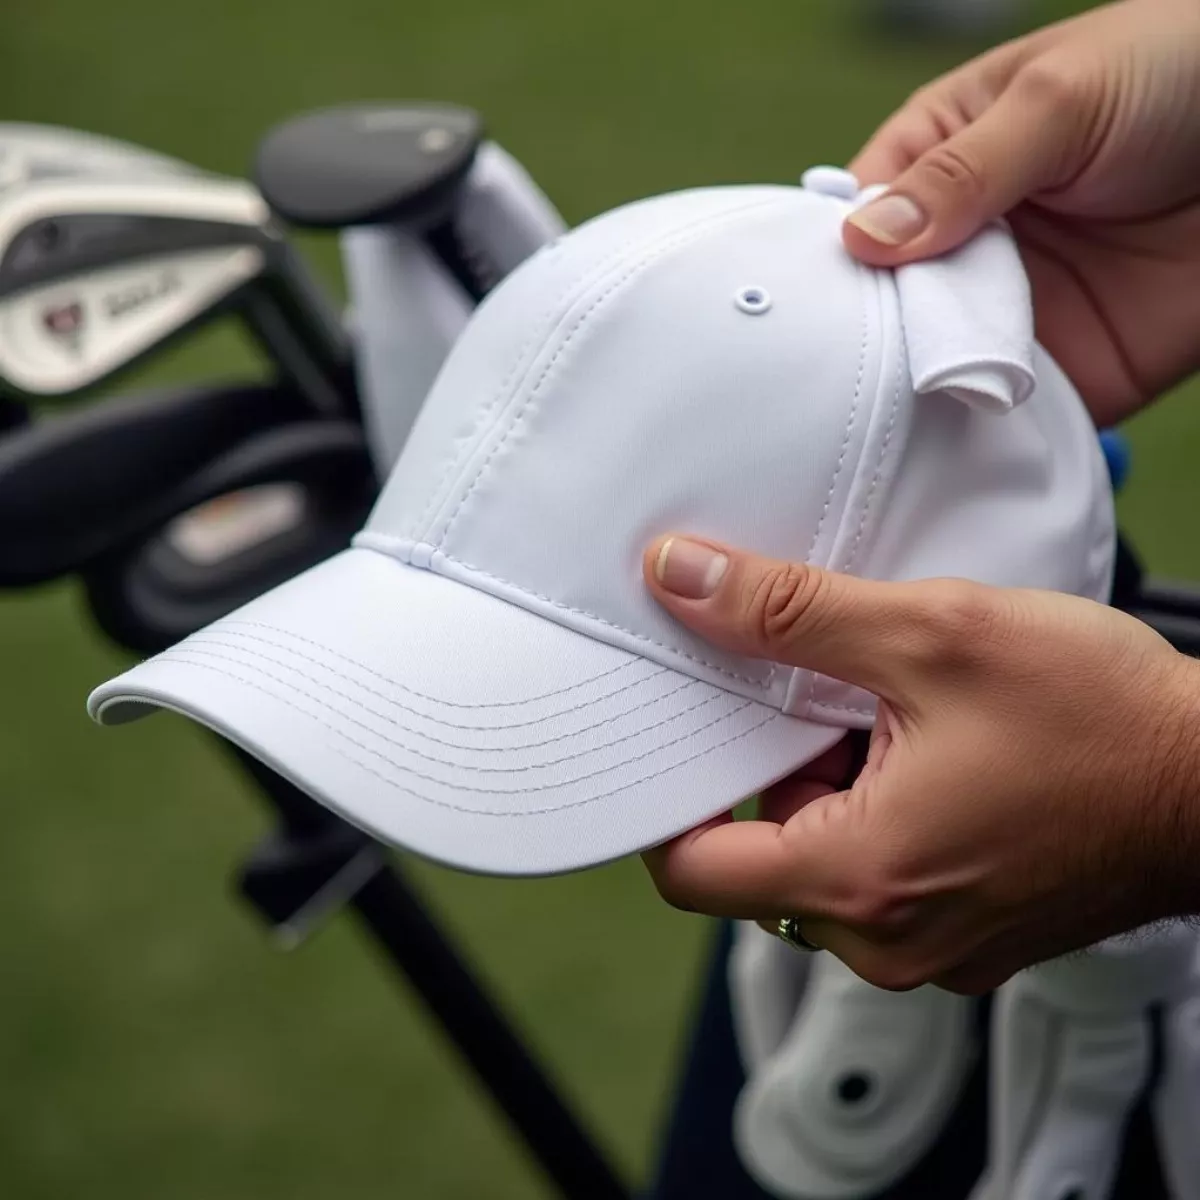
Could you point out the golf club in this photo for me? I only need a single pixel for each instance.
(432, 216)
(98, 271)
(30, 153)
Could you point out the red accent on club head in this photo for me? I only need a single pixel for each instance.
(65, 320)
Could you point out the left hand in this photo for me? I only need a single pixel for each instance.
(1085, 134)
(1032, 785)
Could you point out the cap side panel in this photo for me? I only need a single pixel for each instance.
(760, 685)
(602, 287)
(542, 329)
(507, 333)
(673, 410)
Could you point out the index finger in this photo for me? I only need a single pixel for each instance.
(936, 113)
(896, 145)
(746, 870)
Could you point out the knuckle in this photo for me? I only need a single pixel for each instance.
(956, 620)
(966, 608)
(781, 602)
(881, 909)
(881, 904)
(1051, 86)
(951, 167)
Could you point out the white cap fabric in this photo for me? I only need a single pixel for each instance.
(484, 678)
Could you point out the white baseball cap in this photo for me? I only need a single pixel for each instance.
(484, 679)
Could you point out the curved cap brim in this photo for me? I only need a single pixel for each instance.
(459, 726)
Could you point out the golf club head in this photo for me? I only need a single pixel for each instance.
(98, 271)
(419, 167)
(76, 485)
(279, 503)
(31, 153)
(368, 164)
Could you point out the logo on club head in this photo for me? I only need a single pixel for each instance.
(134, 296)
(64, 322)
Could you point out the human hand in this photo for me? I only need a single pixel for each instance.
(1032, 785)
(1087, 135)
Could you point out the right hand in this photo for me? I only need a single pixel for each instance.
(1032, 785)
(1085, 134)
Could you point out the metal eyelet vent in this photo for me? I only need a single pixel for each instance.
(753, 300)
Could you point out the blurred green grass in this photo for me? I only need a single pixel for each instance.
(153, 1046)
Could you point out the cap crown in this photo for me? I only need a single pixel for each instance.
(710, 362)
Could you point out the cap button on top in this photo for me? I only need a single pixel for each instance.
(830, 181)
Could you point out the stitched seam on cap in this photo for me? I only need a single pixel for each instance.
(883, 449)
(567, 297)
(397, 548)
(681, 237)
(510, 379)
(837, 471)
(203, 652)
(583, 612)
(179, 656)
(364, 689)
(522, 703)
(549, 810)
(901, 363)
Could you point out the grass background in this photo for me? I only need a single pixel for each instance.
(153, 1045)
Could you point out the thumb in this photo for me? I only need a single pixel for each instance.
(878, 636)
(1025, 142)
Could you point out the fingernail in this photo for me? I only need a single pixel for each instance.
(689, 569)
(892, 220)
